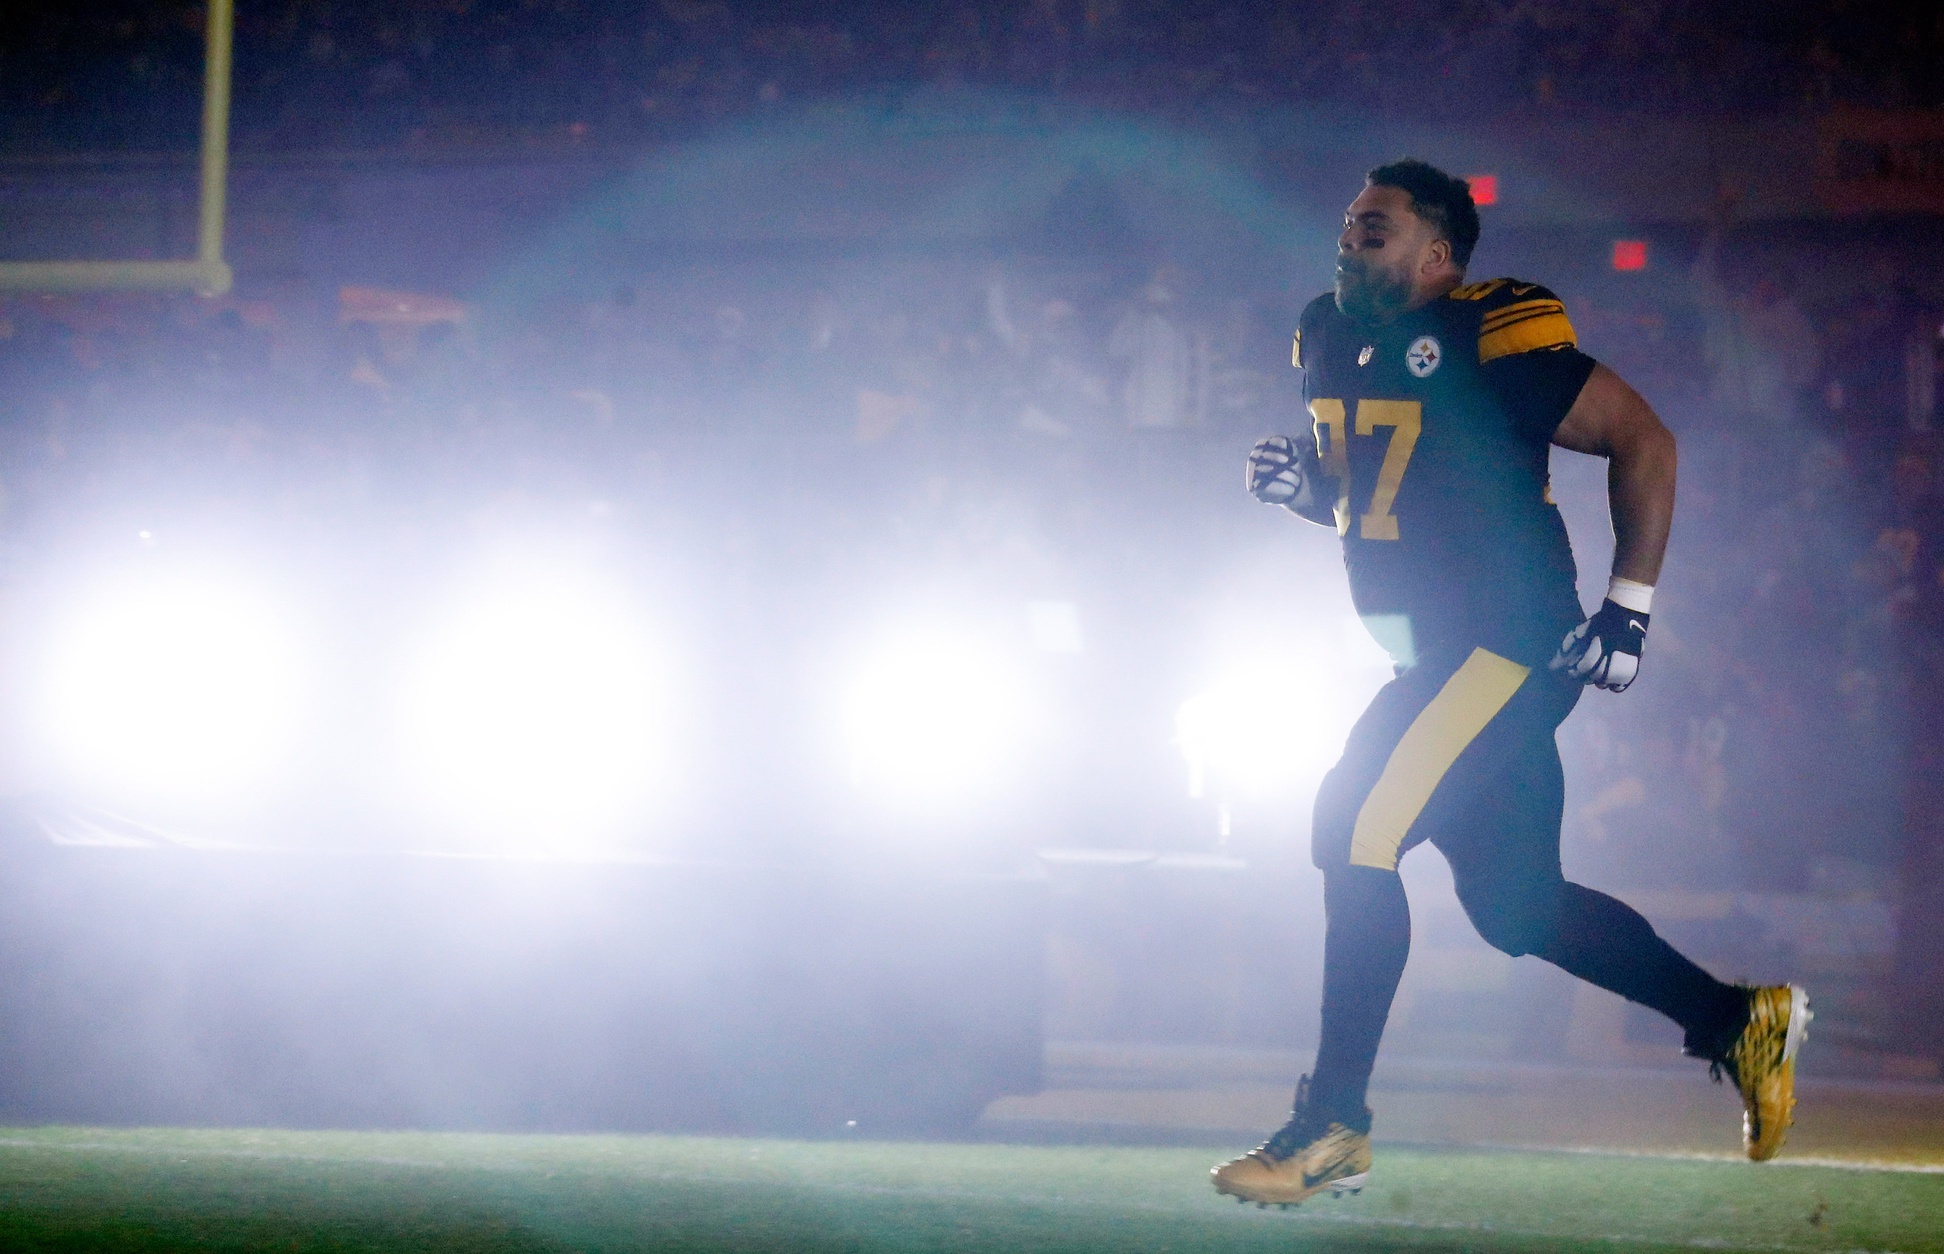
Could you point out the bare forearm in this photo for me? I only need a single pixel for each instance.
(1611, 420)
(1640, 491)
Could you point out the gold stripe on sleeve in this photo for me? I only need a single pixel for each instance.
(1525, 308)
(1538, 331)
(1469, 700)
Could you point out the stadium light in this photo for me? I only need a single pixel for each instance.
(173, 686)
(1247, 736)
(537, 711)
(933, 715)
(1279, 718)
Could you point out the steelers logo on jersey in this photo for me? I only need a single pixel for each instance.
(1423, 356)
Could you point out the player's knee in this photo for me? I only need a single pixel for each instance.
(1509, 928)
(1516, 921)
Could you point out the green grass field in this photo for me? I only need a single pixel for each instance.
(90, 1189)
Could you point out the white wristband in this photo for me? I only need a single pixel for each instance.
(1625, 593)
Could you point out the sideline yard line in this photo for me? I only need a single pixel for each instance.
(183, 1153)
(1220, 1140)
(1689, 1156)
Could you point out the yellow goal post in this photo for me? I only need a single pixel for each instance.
(208, 274)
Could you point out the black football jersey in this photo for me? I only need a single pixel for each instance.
(1436, 430)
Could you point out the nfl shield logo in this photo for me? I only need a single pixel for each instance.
(1423, 356)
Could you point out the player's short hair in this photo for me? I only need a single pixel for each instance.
(1443, 201)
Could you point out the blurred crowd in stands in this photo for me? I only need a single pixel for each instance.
(1805, 596)
(1068, 432)
(324, 73)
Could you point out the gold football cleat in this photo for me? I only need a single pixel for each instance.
(1298, 1162)
(1762, 1062)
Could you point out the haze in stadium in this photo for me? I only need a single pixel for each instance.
(775, 626)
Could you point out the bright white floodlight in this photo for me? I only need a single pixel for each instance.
(1266, 728)
(173, 687)
(933, 715)
(537, 711)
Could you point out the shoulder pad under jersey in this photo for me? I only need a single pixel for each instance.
(1516, 317)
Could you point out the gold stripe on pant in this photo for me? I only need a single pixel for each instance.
(1469, 700)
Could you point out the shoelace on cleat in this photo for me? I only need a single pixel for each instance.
(1288, 1139)
(1299, 1131)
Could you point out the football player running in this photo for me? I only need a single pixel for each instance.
(1433, 406)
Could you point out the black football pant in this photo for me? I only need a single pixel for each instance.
(1459, 751)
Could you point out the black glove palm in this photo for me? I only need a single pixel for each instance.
(1605, 649)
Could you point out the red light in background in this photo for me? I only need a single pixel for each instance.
(1630, 254)
(1484, 188)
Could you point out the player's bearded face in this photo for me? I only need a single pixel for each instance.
(1381, 250)
(1368, 289)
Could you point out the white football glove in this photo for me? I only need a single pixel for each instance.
(1275, 474)
(1605, 649)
